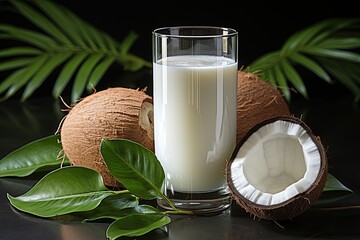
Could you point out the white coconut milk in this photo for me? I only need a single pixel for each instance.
(195, 120)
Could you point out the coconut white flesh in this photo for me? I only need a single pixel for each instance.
(276, 163)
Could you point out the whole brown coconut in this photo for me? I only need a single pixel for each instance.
(110, 114)
(257, 101)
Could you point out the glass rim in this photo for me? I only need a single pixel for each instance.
(227, 32)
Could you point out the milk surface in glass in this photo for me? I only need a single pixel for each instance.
(195, 120)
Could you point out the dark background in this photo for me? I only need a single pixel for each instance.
(263, 26)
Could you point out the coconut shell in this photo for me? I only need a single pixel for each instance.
(257, 101)
(110, 114)
(292, 207)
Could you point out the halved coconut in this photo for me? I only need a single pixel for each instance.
(278, 169)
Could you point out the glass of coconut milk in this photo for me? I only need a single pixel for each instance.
(194, 93)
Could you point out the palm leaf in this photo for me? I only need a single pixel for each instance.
(61, 41)
(22, 79)
(43, 73)
(40, 21)
(61, 18)
(99, 71)
(327, 49)
(15, 63)
(66, 73)
(36, 39)
(83, 74)
(301, 59)
(15, 51)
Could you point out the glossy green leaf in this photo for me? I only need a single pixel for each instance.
(41, 153)
(112, 206)
(64, 190)
(333, 184)
(136, 167)
(136, 225)
(333, 191)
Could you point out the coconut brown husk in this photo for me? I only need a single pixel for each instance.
(257, 101)
(113, 113)
(292, 207)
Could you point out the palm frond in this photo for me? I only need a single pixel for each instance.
(327, 49)
(63, 41)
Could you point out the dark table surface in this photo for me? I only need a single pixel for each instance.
(335, 120)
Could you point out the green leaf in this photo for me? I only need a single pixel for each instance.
(82, 27)
(17, 51)
(82, 76)
(31, 69)
(28, 36)
(333, 184)
(293, 77)
(340, 43)
(11, 79)
(316, 33)
(112, 206)
(60, 31)
(116, 208)
(132, 62)
(332, 53)
(99, 71)
(136, 225)
(15, 63)
(282, 83)
(341, 72)
(40, 21)
(66, 73)
(61, 18)
(264, 62)
(310, 48)
(127, 42)
(311, 65)
(64, 190)
(35, 155)
(333, 191)
(136, 167)
(43, 73)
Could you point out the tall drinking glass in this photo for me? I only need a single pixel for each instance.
(194, 93)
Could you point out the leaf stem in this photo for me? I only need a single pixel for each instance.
(175, 210)
(178, 212)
